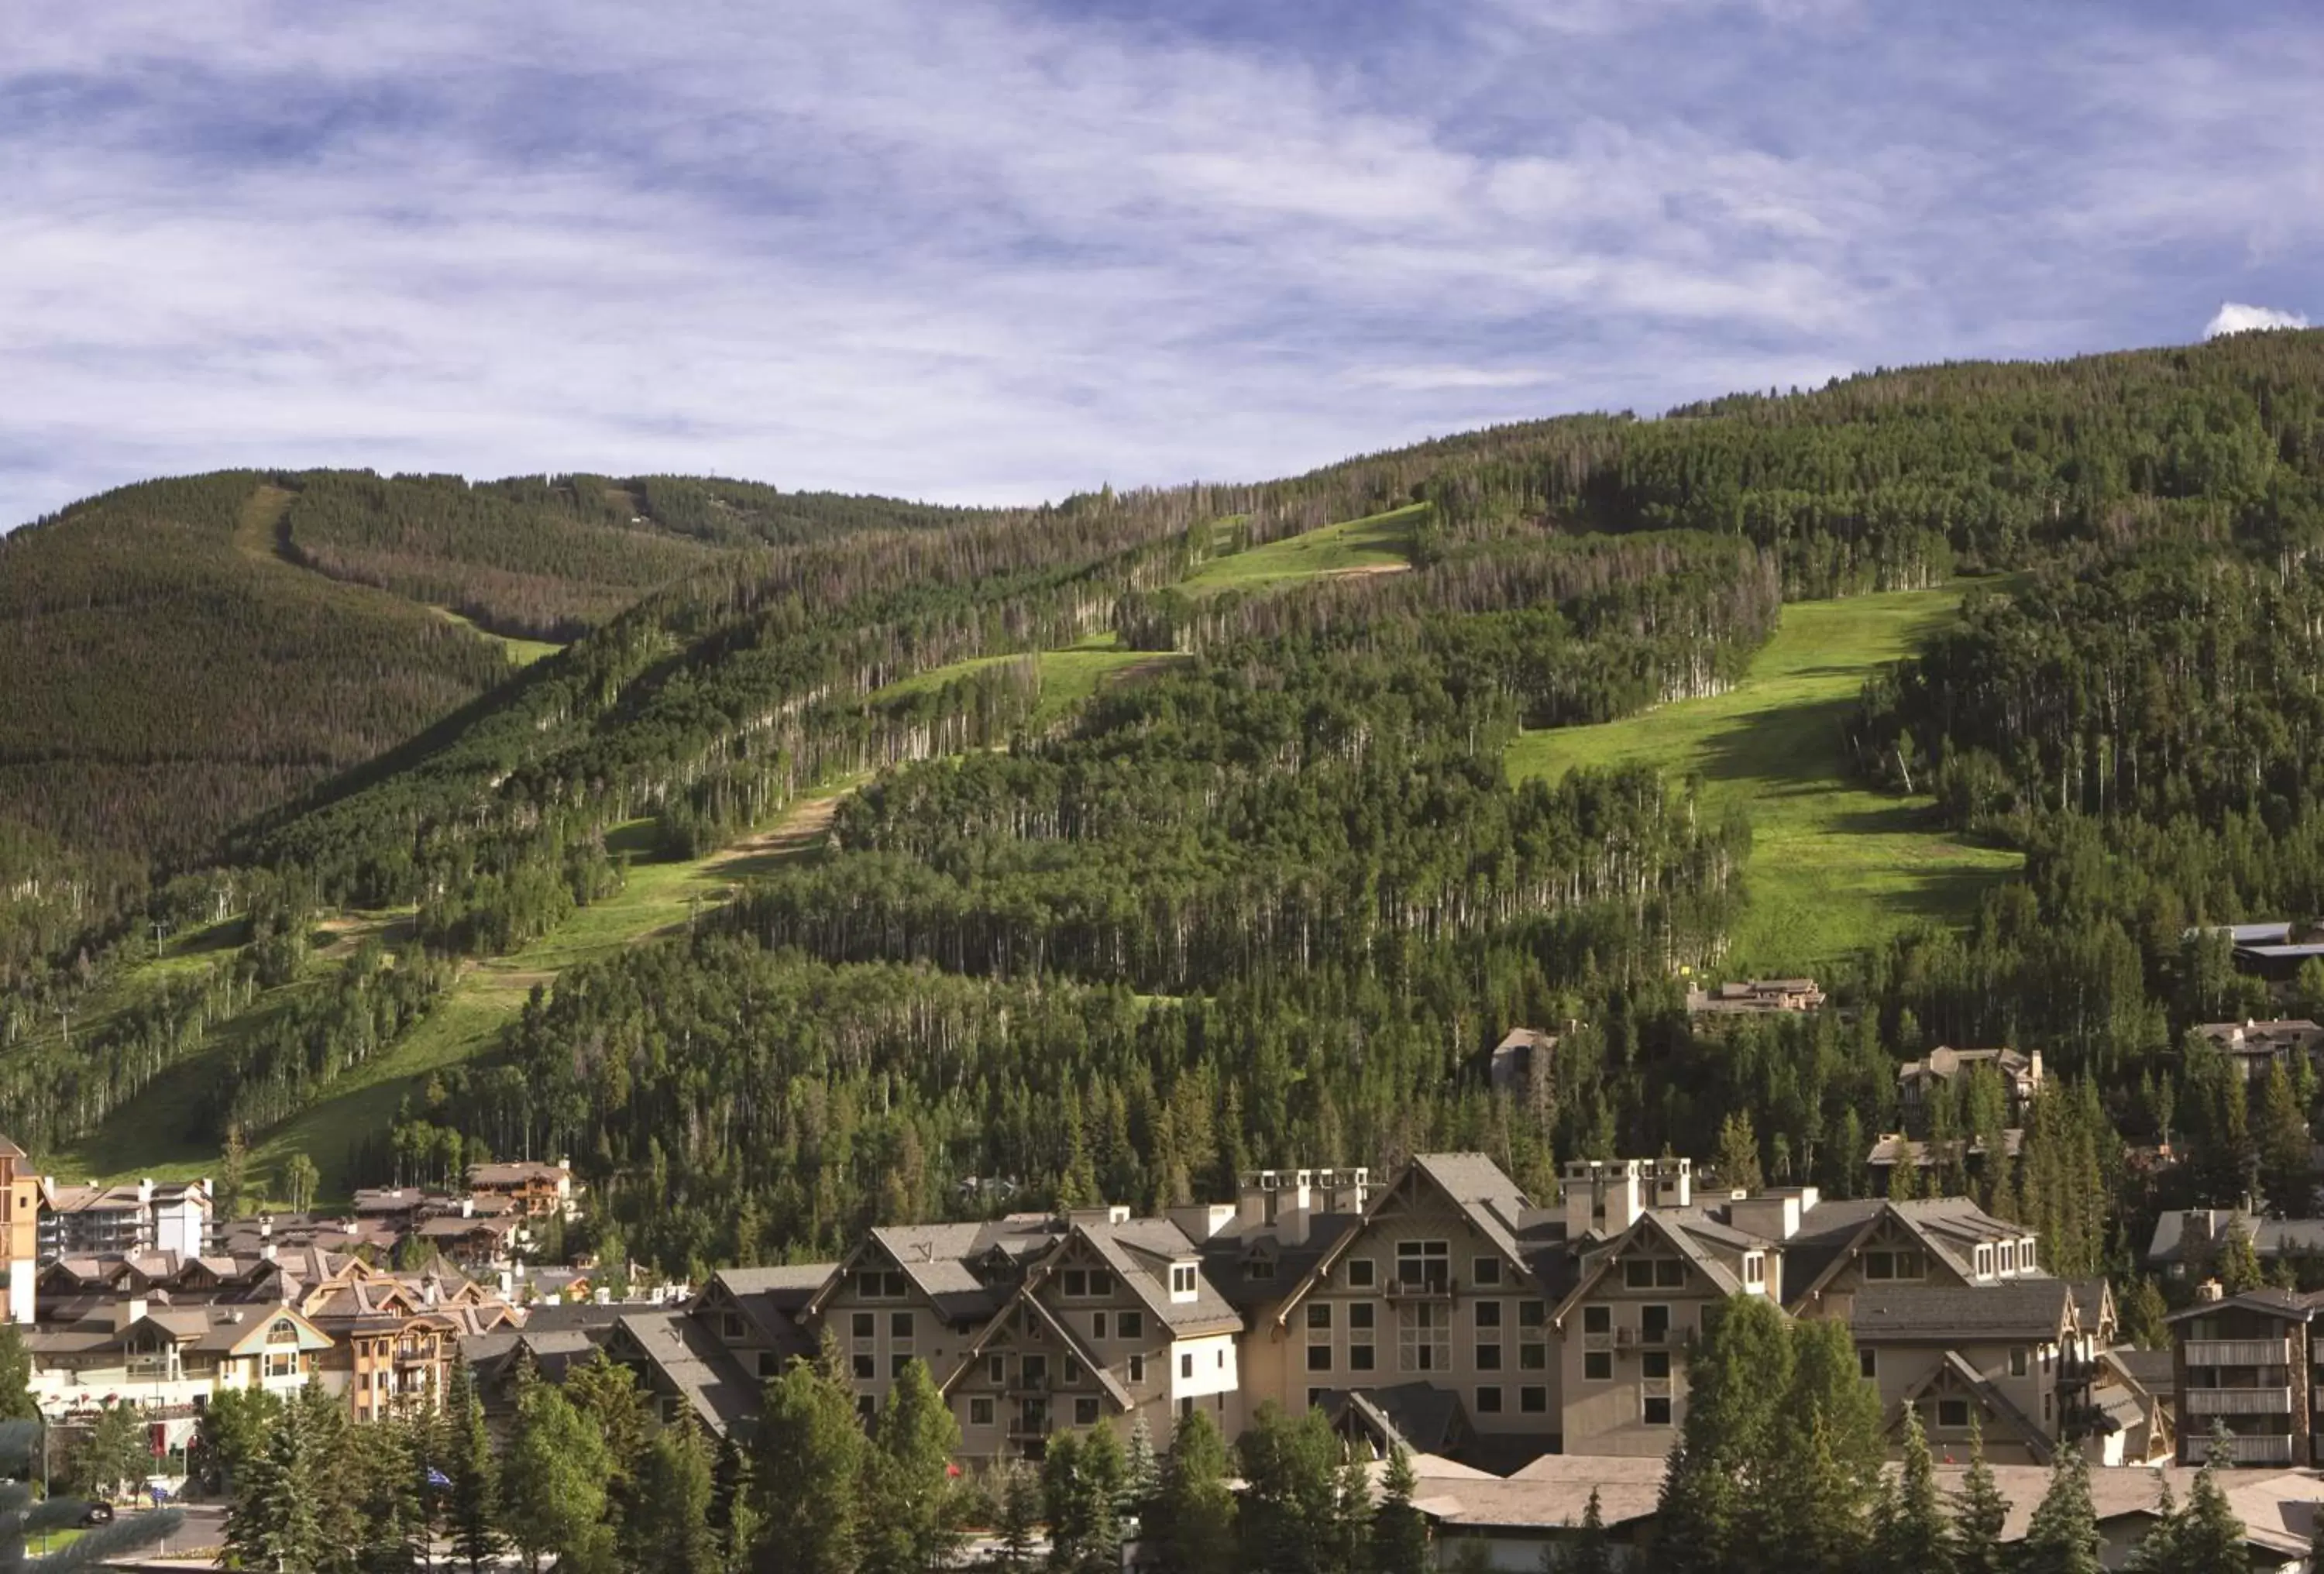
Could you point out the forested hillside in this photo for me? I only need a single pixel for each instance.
(1264, 877)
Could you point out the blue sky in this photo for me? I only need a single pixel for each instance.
(991, 251)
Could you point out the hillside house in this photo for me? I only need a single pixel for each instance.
(2254, 1046)
(1943, 1066)
(1752, 998)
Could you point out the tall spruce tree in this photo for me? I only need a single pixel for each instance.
(2160, 1551)
(15, 1376)
(1290, 1517)
(471, 1503)
(1399, 1531)
(1192, 1525)
(553, 1483)
(1911, 1532)
(807, 1466)
(1589, 1551)
(1081, 1483)
(910, 1526)
(667, 1528)
(2062, 1538)
(1979, 1512)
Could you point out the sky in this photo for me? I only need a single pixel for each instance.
(997, 251)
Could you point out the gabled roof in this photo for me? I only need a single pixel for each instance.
(2034, 1309)
(1486, 1198)
(1024, 1298)
(1672, 1228)
(1954, 1372)
(684, 1356)
(2287, 1304)
(1133, 1250)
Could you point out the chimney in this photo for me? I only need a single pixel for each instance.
(1770, 1215)
(2210, 1290)
(2033, 1067)
(127, 1311)
(1603, 1195)
(1204, 1220)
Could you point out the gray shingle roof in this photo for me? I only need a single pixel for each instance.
(2032, 1309)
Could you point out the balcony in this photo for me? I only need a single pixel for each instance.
(2238, 1352)
(1435, 1287)
(2236, 1401)
(2269, 1450)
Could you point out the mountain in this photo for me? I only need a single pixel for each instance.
(853, 849)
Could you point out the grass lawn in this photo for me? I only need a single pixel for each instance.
(519, 652)
(1070, 678)
(1379, 543)
(1833, 866)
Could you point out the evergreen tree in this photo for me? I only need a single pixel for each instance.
(1290, 1514)
(2062, 1537)
(471, 1503)
(274, 1522)
(1141, 1472)
(1911, 1535)
(2283, 1143)
(553, 1484)
(2143, 1311)
(1192, 1525)
(807, 1468)
(1020, 1514)
(1081, 1482)
(909, 1527)
(1817, 1482)
(668, 1529)
(2162, 1550)
(1589, 1551)
(2238, 1266)
(1400, 1530)
(1979, 1512)
(15, 1376)
(1737, 1160)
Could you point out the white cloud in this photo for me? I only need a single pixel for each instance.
(2235, 317)
(986, 250)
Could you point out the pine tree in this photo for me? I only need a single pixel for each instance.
(1400, 1530)
(1738, 1159)
(1289, 1515)
(274, 1522)
(807, 1466)
(1589, 1551)
(2238, 1266)
(2162, 1550)
(1020, 1514)
(1979, 1512)
(471, 1503)
(1911, 1535)
(1192, 1526)
(553, 1483)
(2062, 1537)
(2143, 1311)
(15, 1376)
(667, 1529)
(2283, 1142)
(909, 1527)
(1141, 1473)
(1081, 1482)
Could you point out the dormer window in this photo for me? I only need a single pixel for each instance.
(1985, 1262)
(1754, 1268)
(1182, 1281)
(2026, 1254)
(1259, 1271)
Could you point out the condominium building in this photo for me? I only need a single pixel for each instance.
(2246, 1364)
(124, 1221)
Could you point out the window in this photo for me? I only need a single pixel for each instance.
(1361, 1274)
(1488, 1358)
(1654, 1325)
(770, 1365)
(1669, 1274)
(1035, 1370)
(1077, 1283)
(1597, 1365)
(2046, 1407)
(1638, 1274)
(1085, 1413)
(1259, 1270)
(1879, 1264)
(1488, 1401)
(1181, 1279)
(896, 1365)
(1656, 1410)
(996, 1369)
(1360, 1317)
(1486, 1272)
(980, 1413)
(730, 1324)
(1360, 1358)
(1098, 1324)
(1754, 1268)
(1867, 1363)
(1137, 1368)
(1953, 1414)
(866, 1407)
(2026, 1254)
(1533, 1358)
(899, 1325)
(1129, 1325)
(1597, 1320)
(867, 1368)
(1072, 1371)
(1316, 1397)
(1533, 1401)
(1908, 1264)
(865, 1324)
(1101, 1282)
(1185, 1366)
(2018, 1361)
(1222, 1360)
(1319, 1357)
(1319, 1315)
(880, 1285)
(1425, 1337)
(1488, 1314)
(1654, 1365)
(1984, 1262)
(1424, 1264)
(2008, 1256)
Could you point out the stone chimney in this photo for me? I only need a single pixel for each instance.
(1770, 1215)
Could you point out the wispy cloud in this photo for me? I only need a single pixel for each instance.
(996, 249)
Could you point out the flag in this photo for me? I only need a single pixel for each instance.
(437, 1478)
